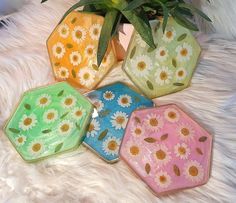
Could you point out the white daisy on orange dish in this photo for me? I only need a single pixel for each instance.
(140, 41)
(58, 50)
(134, 149)
(124, 100)
(141, 65)
(36, 148)
(50, 116)
(108, 95)
(98, 104)
(163, 179)
(162, 155)
(111, 146)
(182, 151)
(119, 120)
(95, 31)
(172, 115)
(193, 171)
(93, 128)
(137, 130)
(162, 54)
(169, 35)
(20, 140)
(79, 34)
(154, 122)
(65, 127)
(163, 76)
(64, 31)
(44, 100)
(78, 113)
(69, 101)
(27, 122)
(184, 52)
(90, 51)
(63, 73)
(186, 132)
(86, 76)
(75, 58)
(181, 74)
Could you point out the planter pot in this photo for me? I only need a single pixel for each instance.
(42, 126)
(168, 68)
(73, 47)
(172, 153)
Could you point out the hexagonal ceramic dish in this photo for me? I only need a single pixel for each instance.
(49, 120)
(168, 68)
(167, 149)
(73, 47)
(114, 104)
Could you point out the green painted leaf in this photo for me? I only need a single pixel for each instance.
(57, 64)
(60, 93)
(148, 168)
(64, 115)
(164, 137)
(202, 139)
(14, 130)
(182, 37)
(69, 46)
(27, 106)
(73, 20)
(150, 140)
(103, 134)
(58, 147)
(137, 119)
(178, 84)
(47, 131)
(95, 67)
(137, 99)
(150, 49)
(174, 63)
(133, 52)
(150, 85)
(73, 73)
(104, 113)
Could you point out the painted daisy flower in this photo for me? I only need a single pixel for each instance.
(64, 31)
(95, 31)
(43, 100)
(163, 76)
(75, 58)
(69, 101)
(169, 35)
(124, 100)
(171, 115)
(65, 127)
(154, 122)
(86, 76)
(58, 50)
(111, 146)
(79, 34)
(50, 116)
(163, 180)
(133, 148)
(181, 74)
(137, 130)
(78, 113)
(162, 54)
(108, 95)
(185, 132)
(28, 122)
(90, 51)
(162, 155)
(93, 128)
(193, 171)
(119, 120)
(63, 73)
(140, 41)
(98, 104)
(182, 151)
(20, 140)
(141, 65)
(184, 52)
(36, 148)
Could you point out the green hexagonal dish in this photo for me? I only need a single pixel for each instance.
(168, 68)
(48, 121)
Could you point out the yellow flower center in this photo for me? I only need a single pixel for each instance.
(181, 73)
(163, 75)
(20, 139)
(91, 127)
(185, 131)
(182, 150)
(63, 73)
(138, 131)
(120, 119)
(108, 95)
(134, 150)
(141, 65)
(64, 31)
(160, 154)
(75, 58)
(193, 171)
(163, 179)
(78, 34)
(112, 145)
(153, 122)
(43, 100)
(90, 51)
(50, 116)
(65, 127)
(169, 34)
(172, 115)
(184, 52)
(162, 53)
(68, 101)
(86, 76)
(36, 147)
(28, 121)
(96, 31)
(78, 113)
(124, 100)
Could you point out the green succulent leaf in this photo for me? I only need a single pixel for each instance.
(135, 4)
(14, 130)
(58, 147)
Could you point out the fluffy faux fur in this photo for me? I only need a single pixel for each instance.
(81, 176)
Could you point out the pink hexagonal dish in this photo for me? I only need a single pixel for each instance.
(167, 149)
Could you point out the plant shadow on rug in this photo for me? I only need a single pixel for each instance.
(80, 176)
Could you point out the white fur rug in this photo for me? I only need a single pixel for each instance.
(81, 176)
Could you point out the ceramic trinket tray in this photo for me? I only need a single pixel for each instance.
(73, 48)
(49, 120)
(114, 104)
(169, 67)
(167, 149)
